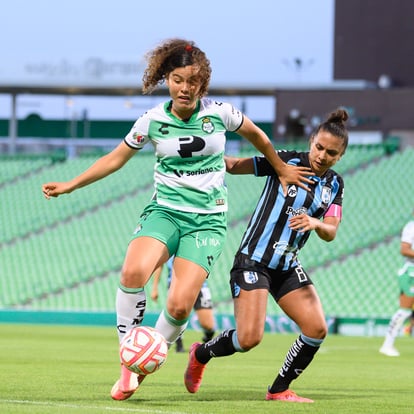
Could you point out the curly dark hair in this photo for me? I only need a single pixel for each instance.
(172, 54)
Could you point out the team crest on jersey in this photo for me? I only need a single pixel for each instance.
(207, 125)
(292, 191)
(138, 137)
(326, 195)
(250, 277)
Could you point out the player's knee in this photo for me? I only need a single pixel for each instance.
(322, 331)
(318, 331)
(130, 277)
(321, 334)
(248, 342)
(178, 312)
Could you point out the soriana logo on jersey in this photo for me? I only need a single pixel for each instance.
(138, 137)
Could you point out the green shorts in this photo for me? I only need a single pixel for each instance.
(196, 237)
(406, 280)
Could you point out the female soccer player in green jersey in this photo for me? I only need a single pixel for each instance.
(186, 216)
(406, 285)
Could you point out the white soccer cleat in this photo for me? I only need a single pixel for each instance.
(389, 351)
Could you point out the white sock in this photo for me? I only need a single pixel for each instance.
(395, 325)
(130, 309)
(169, 327)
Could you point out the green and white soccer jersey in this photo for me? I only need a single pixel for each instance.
(407, 236)
(189, 171)
(406, 273)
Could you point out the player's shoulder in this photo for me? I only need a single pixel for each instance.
(407, 234)
(230, 116)
(333, 176)
(156, 112)
(409, 226)
(294, 157)
(213, 105)
(288, 156)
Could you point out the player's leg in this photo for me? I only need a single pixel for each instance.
(408, 329)
(131, 300)
(200, 245)
(406, 284)
(203, 308)
(249, 284)
(179, 344)
(395, 325)
(186, 282)
(411, 322)
(207, 323)
(250, 314)
(154, 238)
(303, 306)
(409, 325)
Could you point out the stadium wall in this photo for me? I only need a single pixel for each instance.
(274, 323)
(382, 110)
(35, 126)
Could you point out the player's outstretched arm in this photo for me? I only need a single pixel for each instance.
(288, 174)
(103, 167)
(235, 165)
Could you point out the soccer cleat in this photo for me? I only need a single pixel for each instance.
(126, 385)
(194, 372)
(389, 351)
(287, 395)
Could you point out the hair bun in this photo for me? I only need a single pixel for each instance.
(338, 116)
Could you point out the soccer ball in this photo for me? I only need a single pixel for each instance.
(143, 350)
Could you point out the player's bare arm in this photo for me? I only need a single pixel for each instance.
(326, 229)
(235, 165)
(103, 167)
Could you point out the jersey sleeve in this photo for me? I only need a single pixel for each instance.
(137, 137)
(339, 197)
(335, 208)
(262, 166)
(334, 211)
(231, 116)
(407, 235)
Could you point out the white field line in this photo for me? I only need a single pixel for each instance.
(90, 407)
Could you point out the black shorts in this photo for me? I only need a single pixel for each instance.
(248, 274)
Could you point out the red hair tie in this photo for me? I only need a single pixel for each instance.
(188, 48)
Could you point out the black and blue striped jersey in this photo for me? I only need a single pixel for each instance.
(268, 238)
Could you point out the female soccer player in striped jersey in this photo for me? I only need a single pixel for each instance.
(267, 259)
(187, 214)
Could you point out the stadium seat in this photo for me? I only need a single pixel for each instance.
(66, 254)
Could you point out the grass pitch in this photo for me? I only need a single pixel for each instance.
(65, 369)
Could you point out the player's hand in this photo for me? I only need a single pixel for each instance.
(299, 176)
(302, 223)
(55, 189)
